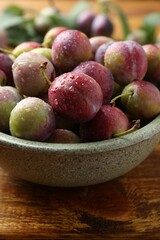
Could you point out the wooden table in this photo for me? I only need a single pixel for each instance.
(125, 208)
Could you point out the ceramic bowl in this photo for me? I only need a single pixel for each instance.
(82, 164)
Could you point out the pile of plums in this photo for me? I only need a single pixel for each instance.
(72, 88)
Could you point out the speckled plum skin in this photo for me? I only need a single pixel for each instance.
(153, 57)
(28, 78)
(70, 48)
(32, 119)
(9, 97)
(144, 101)
(75, 96)
(126, 60)
(108, 121)
(51, 35)
(25, 47)
(101, 74)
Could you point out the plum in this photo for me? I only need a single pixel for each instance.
(75, 96)
(25, 47)
(97, 41)
(102, 25)
(126, 60)
(32, 119)
(6, 66)
(70, 48)
(84, 21)
(99, 54)
(51, 35)
(9, 97)
(109, 121)
(153, 57)
(141, 100)
(28, 77)
(46, 52)
(101, 74)
(63, 136)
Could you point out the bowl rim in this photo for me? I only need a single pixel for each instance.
(142, 134)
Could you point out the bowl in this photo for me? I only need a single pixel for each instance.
(80, 164)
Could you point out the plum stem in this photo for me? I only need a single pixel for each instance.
(7, 51)
(133, 128)
(43, 68)
(112, 102)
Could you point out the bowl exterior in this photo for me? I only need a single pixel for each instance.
(63, 169)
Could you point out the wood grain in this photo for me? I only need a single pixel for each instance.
(124, 208)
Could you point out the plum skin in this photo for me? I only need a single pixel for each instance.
(27, 75)
(25, 47)
(63, 136)
(108, 121)
(101, 74)
(70, 48)
(9, 97)
(144, 101)
(102, 26)
(32, 119)
(75, 96)
(126, 60)
(6, 66)
(153, 57)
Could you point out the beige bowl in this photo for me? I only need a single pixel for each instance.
(82, 164)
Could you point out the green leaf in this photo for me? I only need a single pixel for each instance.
(14, 9)
(123, 19)
(150, 22)
(152, 19)
(8, 20)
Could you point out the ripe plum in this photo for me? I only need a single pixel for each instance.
(102, 26)
(108, 121)
(100, 52)
(9, 97)
(84, 21)
(153, 57)
(25, 47)
(101, 74)
(126, 60)
(97, 41)
(51, 35)
(32, 119)
(75, 96)
(70, 48)
(6, 66)
(141, 100)
(28, 78)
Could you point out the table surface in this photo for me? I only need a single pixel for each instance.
(125, 208)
